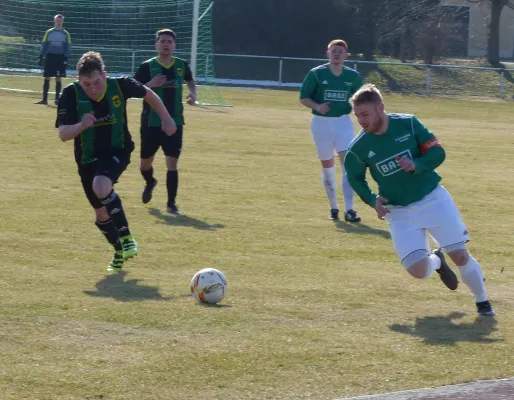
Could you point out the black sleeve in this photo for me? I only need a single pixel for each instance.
(188, 75)
(143, 73)
(67, 109)
(131, 88)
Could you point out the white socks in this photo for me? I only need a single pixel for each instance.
(329, 182)
(433, 263)
(471, 275)
(347, 191)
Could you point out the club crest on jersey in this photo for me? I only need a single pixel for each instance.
(336, 95)
(180, 72)
(116, 100)
(390, 166)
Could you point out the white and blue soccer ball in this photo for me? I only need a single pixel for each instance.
(209, 286)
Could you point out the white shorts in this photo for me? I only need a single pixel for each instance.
(435, 214)
(331, 133)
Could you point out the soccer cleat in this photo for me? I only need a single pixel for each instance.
(173, 209)
(445, 273)
(485, 309)
(148, 191)
(351, 216)
(334, 214)
(116, 264)
(42, 102)
(129, 246)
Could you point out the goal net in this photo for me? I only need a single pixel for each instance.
(123, 31)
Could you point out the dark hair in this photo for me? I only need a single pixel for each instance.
(89, 63)
(161, 32)
(367, 94)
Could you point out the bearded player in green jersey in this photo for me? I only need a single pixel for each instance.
(93, 112)
(402, 154)
(327, 90)
(165, 74)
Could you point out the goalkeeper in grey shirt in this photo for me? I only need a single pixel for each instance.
(55, 49)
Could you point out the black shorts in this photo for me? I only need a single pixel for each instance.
(54, 66)
(152, 138)
(111, 166)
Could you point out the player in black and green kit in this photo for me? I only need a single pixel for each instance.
(165, 74)
(402, 155)
(92, 111)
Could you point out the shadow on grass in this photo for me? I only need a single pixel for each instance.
(361, 229)
(182, 220)
(444, 331)
(115, 286)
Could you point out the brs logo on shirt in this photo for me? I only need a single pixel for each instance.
(390, 166)
(336, 95)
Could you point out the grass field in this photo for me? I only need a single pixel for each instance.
(314, 310)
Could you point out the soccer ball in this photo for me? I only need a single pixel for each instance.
(209, 286)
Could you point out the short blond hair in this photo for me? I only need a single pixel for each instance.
(338, 42)
(367, 94)
(59, 16)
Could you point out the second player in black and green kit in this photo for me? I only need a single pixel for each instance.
(165, 74)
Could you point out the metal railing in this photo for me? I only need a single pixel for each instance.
(288, 72)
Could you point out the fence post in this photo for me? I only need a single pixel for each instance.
(280, 71)
(428, 80)
(355, 66)
(133, 68)
(502, 86)
(206, 74)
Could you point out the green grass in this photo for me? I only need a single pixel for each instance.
(314, 310)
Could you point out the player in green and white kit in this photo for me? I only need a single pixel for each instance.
(327, 90)
(402, 154)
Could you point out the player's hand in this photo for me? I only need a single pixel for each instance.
(406, 163)
(168, 126)
(157, 81)
(40, 61)
(87, 121)
(379, 207)
(65, 62)
(323, 108)
(191, 99)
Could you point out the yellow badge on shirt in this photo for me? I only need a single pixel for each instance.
(116, 101)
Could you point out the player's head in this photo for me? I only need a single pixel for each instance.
(92, 75)
(165, 42)
(368, 106)
(337, 51)
(58, 21)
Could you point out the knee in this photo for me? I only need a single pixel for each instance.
(102, 186)
(146, 163)
(171, 163)
(419, 269)
(459, 257)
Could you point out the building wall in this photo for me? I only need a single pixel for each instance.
(479, 20)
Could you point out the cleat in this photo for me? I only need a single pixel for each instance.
(129, 246)
(148, 191)
(445, 273)
(41, 102)
(173, 209)
(116, 264)
(485, 309)
(351, 216)
(334, 214)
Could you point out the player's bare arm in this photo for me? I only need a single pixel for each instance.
(191, 97)
(322, 108)
(167, 123)
(68, 132)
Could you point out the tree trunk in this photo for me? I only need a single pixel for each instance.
(493, 41)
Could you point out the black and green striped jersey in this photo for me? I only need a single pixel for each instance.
(110, 132)
(170, 93)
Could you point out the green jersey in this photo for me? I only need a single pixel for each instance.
(405, 136)
(321, 85)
